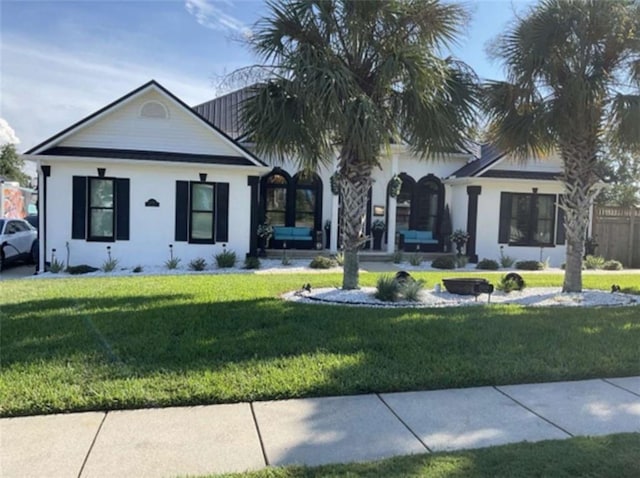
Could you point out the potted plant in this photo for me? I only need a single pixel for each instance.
(377, 229)
(265, 232)
(459, 237)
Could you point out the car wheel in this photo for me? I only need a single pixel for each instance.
(1, 260)
(33, 257)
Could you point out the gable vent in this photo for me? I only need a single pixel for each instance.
(154, 109)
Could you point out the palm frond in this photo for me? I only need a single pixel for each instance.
(625, 121)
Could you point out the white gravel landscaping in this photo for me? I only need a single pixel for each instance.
(531, 296)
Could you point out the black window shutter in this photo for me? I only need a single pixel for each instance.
(182, 210)
(222, 212)
(122, 209)
(560, 230)
(505, 218)
(79, 208)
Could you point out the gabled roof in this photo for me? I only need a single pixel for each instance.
(151, 85)
(489, 155)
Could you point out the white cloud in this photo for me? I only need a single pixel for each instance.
(7, 134)
(46, 89)
(211, 14)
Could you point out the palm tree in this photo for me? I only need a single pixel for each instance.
(350, 77)
(573, 78)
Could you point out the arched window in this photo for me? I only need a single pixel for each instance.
(154, 109)
(275, 198)
(404, 202)
(308, 200)
(429, 203)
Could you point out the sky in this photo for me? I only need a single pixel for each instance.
(62, 60)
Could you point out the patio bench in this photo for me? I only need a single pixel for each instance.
(294, 237)
(411, 240)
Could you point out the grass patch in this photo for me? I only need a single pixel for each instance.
(127, 342)
(596, 457)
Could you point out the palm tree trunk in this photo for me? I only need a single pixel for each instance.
(355, 183)
(579, 158)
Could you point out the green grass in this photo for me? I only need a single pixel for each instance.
(128, 342)
(613, 456)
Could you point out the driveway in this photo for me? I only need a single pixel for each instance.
(17, 271)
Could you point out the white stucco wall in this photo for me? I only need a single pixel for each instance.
(152, 229)
(487, 245)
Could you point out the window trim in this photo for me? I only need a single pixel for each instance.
(190, 238)
(533, 218)
(90, 237)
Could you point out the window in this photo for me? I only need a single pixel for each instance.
(276, 200)
(154, 109)
(308, 190)
(101, 209)
(527, 219)
(403, 203)
(292, 201)
(202, 213)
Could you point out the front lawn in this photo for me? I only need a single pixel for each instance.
(128, 342)
(614, 456)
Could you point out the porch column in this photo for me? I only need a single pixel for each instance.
(44, 172)
(335, 201)
(391, 213)
(253, 182)
(472, 222)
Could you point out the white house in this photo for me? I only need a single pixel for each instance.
(147, 171)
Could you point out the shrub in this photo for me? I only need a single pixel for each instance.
(321, 262)
(172, 263)
(612, 266)
(410, 290)
(415, 259)
(387, 288)
(252, 262)
(530, 265)
(109, 265)
(461, 261)
(444, 262)
(225, 259)
(397, 257)
(339, 258)
(81, 269)
(56, 266)
(488, 265)
(593, 262)
(198, 264)
(506, 261)
(137, 269)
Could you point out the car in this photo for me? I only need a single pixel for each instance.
(32, 219)
(18, 241)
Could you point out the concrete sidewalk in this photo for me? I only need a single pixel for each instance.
(250, 436)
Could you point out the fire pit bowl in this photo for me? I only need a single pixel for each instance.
(468, 286)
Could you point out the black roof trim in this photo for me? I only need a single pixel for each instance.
(535, 175)
(134, 92)
(162, 156)
(489, 155)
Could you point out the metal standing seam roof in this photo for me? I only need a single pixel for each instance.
(489, 154)
(224, 112)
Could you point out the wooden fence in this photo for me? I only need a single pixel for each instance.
(617, 232)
